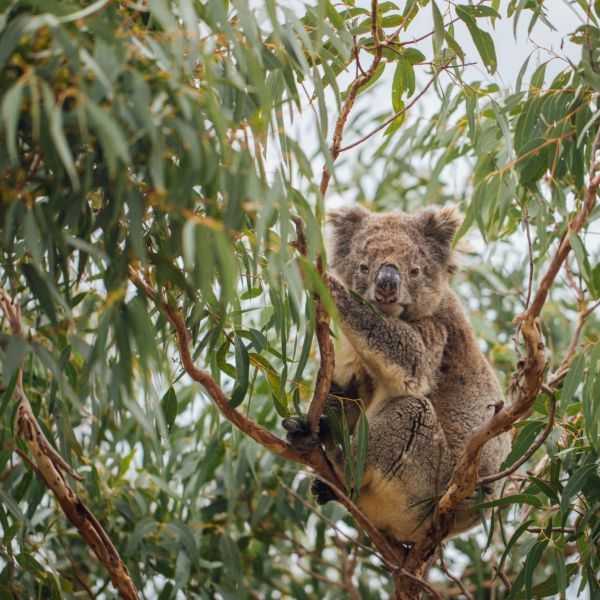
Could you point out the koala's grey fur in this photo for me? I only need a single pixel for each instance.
(416, 366)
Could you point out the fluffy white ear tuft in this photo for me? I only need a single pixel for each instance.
(348, 217)
(440, 224)
(343, 226)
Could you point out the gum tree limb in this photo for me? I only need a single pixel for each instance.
(326, 351)
(391, 555)
(530, 379)
(51, 467)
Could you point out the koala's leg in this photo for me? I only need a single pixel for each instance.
(408, 464)
(405, 356)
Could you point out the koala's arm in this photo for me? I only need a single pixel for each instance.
(406, 356)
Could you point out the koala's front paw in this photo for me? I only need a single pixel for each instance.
(334, 284)
(298, 434)
(321, 492)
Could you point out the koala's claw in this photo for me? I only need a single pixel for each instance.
(321, 492)
(299, 434)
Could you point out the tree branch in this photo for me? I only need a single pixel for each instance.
(257, 432)
(327, 363)
(395, 116)
(529, 377)
(51, 466)
(464, 478)
(392, 555)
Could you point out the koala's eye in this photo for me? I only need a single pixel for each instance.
(414, 272)
(364, 268)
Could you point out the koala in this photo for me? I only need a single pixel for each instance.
(410, 355)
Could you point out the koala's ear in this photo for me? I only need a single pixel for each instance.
(349, 218)
(439, 224)
(343, 225)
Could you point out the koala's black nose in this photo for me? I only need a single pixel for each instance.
(387, 284)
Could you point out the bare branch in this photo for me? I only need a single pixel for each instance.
(351, 97)
(257, 432)
(529, 377)
(315, 458)
(454, 578)
(464, 478)
(395, 116)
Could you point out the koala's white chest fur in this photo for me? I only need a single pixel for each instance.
(385, 380)
(347, 362)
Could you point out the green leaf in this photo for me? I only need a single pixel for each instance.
(376, 76)
(479, 10)
(576, 483)
(11, 108)
(110, 135)
(533, 160)
(242, 370)
(549, 587)
(413, 56)
(55, 117)
(515, 499)
(560, 571)
(527, 434)
(403, 82)
(438, 31)
(453, 45)
(254, 292)
(232, 560)
(362, 442)
(572, 381)
(41, 289)
(169, 407)
(334, 16)
(482, 40)
(14, 353)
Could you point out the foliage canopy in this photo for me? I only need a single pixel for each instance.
(178, 141)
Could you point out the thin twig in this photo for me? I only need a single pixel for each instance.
(329, 522)
(257, 432)
(454, 578)
(327, 364)
(395, 116)
(496, 476)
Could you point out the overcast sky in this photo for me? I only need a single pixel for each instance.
(511, 51)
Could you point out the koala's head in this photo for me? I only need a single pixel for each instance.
(399, 262)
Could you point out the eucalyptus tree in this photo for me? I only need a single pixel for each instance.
(165, 171)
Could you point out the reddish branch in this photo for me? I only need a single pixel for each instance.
(583, 313)
(392, 556)
(257, 432)
(358, 83)
(395, 116)
(464, 479)
(327, 363)
(51, 467)
(530, 377)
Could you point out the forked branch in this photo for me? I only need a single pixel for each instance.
(530, 377)
(391, 555)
